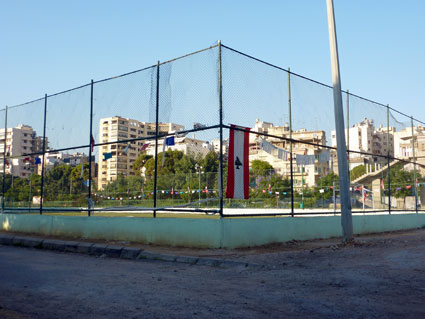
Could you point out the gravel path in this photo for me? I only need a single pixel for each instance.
(380, 276)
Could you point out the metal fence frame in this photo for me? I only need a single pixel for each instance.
(90, 208)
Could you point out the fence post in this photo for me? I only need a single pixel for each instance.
(43, 163)
(388, 159)
(348, 135)
(4, 161)
(89, 206)
(155, 182)
(290, 141)
(220, 101)
(414, 165)
(334, 196)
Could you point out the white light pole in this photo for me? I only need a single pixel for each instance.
(199, 168)
(344, 183)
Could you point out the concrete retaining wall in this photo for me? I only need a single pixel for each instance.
(205, 233)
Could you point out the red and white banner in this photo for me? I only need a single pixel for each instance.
(238, 164)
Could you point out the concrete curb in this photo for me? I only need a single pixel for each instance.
(50, 244)
(114, 251)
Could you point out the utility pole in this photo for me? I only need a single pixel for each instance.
(346, 218)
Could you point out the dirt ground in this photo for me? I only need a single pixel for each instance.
(378, 276)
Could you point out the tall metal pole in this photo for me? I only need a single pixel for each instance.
(414, 165)
(155, 181)
(90, 149)
(43, 163)
(220, 101)
(290, 141)
(388, 160)
(346, 218)
(4, 162)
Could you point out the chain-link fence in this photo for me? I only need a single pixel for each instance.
(157, 140)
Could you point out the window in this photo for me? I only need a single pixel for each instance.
(123, 135)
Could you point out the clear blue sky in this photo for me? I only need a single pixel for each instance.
(50, 46)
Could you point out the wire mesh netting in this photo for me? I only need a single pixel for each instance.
(124, 129)
(249, 88)
(318, 104)
(25, 128)
(23, 148)
(2, 143)
(187, 167)
(419, 163)
(68, 119)
(23, 190)
(158, 139)
(402, 187)
(68, 136)
(367, 139)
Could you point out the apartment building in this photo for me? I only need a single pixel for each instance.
(279, 157)
(17, 142)
(363, 137)
(116, 128)
(403, 147)
(53, 159)
(184, 144)
(215, 144)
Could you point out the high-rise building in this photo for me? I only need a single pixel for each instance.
(121, 163)
(364, 137)
(16, 143)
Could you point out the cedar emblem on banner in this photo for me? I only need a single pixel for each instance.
(238, 163)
